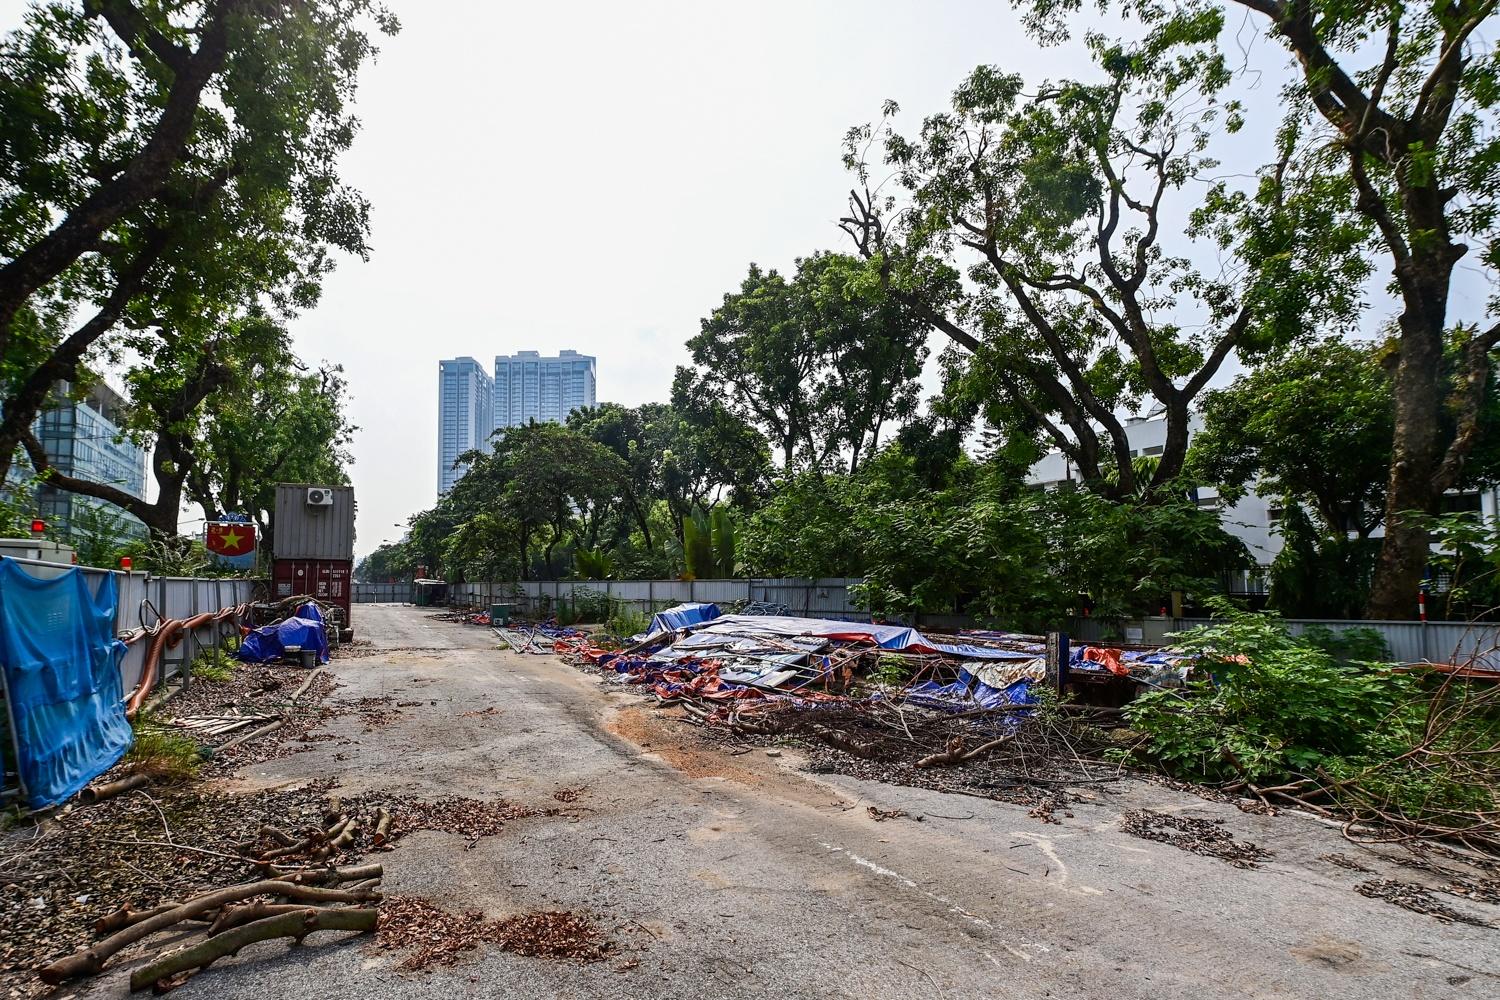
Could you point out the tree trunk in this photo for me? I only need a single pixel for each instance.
(1416, 454)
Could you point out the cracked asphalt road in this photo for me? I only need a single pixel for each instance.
(739, 876)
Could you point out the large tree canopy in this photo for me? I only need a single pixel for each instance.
(164, 165)
(820, 362)
(1395, 108)
(1054, 204)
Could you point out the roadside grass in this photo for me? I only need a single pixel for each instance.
(165, 756)
(217, 664)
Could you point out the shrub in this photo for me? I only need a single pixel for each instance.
(589, 605)
(625, 621)
(1267, 705)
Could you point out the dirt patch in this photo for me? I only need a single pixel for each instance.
(1197, 836)
(687, 750)
(650, 732)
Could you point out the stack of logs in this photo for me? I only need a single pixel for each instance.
(286, 901)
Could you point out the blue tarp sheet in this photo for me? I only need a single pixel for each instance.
(62, 669)
(681, 616)
(885, 636)
(268, 643)
(968, 692)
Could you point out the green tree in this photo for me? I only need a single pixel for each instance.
(1052, 203)
(391, 561)
(542, 482)
(169, 388)
(820, 363)
(1398, 105)
(1314, 426)
(283, 424)
(163, 163)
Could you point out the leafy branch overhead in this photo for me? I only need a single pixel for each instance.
(164, 168)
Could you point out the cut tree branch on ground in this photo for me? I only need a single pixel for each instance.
(957, 755)
(109, 789)
(296, 925)
(92, 959)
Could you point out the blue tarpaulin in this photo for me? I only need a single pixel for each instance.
(681, 616)
(969, 692)
(269, 642)
(62, 672)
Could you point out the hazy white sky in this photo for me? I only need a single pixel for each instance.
(595, 176)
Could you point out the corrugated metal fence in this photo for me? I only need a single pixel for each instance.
(808, 598)
(143, 600)
(381, 593)
(1409, 642)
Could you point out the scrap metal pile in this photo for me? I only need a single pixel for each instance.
(882, 701)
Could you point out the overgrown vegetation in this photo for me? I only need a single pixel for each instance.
(1272, 713)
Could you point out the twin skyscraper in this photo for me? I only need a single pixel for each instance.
(525, 386)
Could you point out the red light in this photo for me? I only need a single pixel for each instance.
(125, 563)
(38, 526)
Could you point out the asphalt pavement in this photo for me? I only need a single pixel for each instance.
(722, 875)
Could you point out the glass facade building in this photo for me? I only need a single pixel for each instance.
(465, 414)
(83, 439)
(531, 387)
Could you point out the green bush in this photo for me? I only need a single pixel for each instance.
(1267, 705)
(213, 665)
(588, 606)
(625, 621)
(165, 754)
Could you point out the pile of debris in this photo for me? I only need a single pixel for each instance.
(883, 701)
(231, 868)
(539, 637)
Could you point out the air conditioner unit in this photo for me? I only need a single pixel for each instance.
(317, 497)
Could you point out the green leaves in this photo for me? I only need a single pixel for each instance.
(1268, 706)
(820, 362)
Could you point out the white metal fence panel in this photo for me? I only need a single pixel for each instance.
(1408, 642)
(809, 598)
(381, 593)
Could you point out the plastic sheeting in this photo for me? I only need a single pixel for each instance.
(895, 637)
(62, 671)
(269, 642)
(969, 692)
(682, 616)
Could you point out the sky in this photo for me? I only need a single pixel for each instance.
(596, 176)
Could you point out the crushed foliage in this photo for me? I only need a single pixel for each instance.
(1417, 898)
(569, 794)
(881, 815)
(434, 936)
(1197, 836)
(1344, 861)
(141, 848)
(469, 818)
(376, 711)
(553, 934)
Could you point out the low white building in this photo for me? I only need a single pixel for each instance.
(1254, 519)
